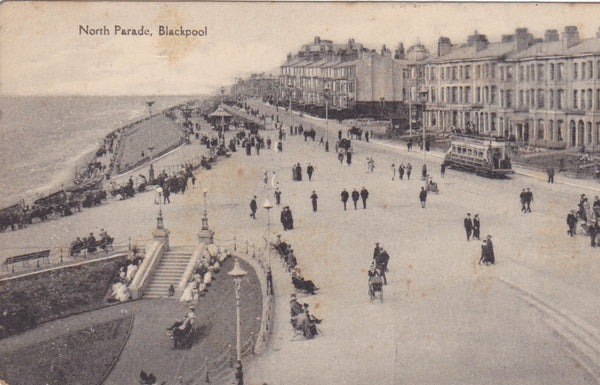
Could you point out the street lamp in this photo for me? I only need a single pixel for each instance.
(204, 214)
(423, 96)
(151, 148)
(238, 273)
(326, 93)
(290, 90)
(268, 206)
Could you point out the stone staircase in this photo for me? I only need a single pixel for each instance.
(169, 271)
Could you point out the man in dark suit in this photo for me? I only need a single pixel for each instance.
(468, 223)
(364, 194)
(314, 198)
(345, 196)
(253, 207)
(355, 196)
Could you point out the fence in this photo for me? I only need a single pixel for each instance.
(60, 256)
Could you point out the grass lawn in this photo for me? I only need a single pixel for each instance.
(80, 357)
(42, 297)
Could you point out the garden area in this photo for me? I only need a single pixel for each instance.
(31, 300)
(81, 357)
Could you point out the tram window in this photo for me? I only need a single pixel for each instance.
(480, 154)
(470, 152)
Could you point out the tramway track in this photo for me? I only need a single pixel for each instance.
(583, 339)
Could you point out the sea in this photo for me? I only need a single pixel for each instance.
(43, 139)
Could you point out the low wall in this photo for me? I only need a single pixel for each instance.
(42, 296)
(154, 253)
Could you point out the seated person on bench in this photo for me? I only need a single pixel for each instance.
(301, 284)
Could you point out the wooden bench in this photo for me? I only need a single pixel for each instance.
(25, 258)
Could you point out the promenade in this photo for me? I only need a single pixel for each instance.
(444, 318)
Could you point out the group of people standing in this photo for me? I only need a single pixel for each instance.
(364, 195)
(526, 197)
(297, 172)
(588, 215)
(402, 169)
(472, 226)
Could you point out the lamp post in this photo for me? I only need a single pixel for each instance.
(326, 93)
(238, 273)
(151, 148)
(204, 214)
(423, 96)
(290, 90)
(268, 206)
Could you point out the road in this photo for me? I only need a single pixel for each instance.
(444, 319)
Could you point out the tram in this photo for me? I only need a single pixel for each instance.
(482, 155)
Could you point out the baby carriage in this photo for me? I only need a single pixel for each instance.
(376, 287)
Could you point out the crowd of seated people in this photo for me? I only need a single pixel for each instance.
(90, 243)
(119, 290)
(206, 267)
(288, 258)
(302, 320)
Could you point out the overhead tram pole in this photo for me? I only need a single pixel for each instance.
(423, 95)
(326, 93)
(290, 90)
(151, 148)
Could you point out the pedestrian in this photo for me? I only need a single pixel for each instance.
(364, 194)
(253, 207)
(289, 218)
(340, 135)
(487, 252)
(314, 198)
(443, 169)
(257, 147)
(529, 199)
(593, 230)
(523, 197)
(393, 171)
(476, 226)
(367, 136)
(309, 171)
(341, 158)
(376, 251)
(167, 194)
(550, 172)
(279, 146)
(468, 223)
(408, 171)
(424, 172)
(572, 223)
(381, 262)
(151, 174)
(355, 196)
(268, 143)
(423, 197)
(344, 198)
(277, 194)
(349, 157)
(401, 171)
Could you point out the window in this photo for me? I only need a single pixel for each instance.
(468, 93)
(478, 95)
(589, 99)
(453, 72)
(551, 99)
(509, 73)
(493, 71)
(502, 98)
(508, 99)
(532, 66)
(560, 99)
(561, 71)
(477, 71)
(540, 99)
(468, 72)
(589, 130)
(559, 130)
(493, 95)
(442, 73)
(551, 71)
(501, 74)
(540, 130)
(521, 73)
(551, 130)
(575, 104)
(442, 95)
(527, 73)
(590, 69)
(574, 71)
(521, 100)
(583, 99)
(432, 92)
(583, 68)
(540, 72)
(598, 99)
(448, 73)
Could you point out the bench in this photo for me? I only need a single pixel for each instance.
(25, 258)
(88, 248)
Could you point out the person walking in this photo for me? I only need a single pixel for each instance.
(367, 136)
(349, 157)
(408, 171)
(476, 226)
(468, 223)
(528, 199)
(277, 194)
(355, 196)
(309, 171)
(523, 198)
(424, 172)
(393, 171)
(253, 207)
(401, 171)
(593, 230)
(376, 251)
(314, 198)
(423, 197)
(345, 197)
(166, 195)
(364, 194)
(443, 169)
(550, 172)
(487, 252)
(572, 223)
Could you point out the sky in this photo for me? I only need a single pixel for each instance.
(43, 53)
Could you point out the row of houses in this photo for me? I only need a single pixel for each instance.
(541, 91)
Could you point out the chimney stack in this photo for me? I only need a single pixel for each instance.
(522, 39)
(551, 35)
(444, 46)
(570, 37)
(317, 40)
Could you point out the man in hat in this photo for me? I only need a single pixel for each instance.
(355, 196)
(309, 171)
(277, 194)
(253, 207)
(382, 263)
(364, 194)
(476, 226)
(376, 251)
(345, 197)
(468, 223)
(295, 309)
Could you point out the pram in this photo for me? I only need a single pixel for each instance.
(376, 287)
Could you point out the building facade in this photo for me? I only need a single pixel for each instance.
(543, 92)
